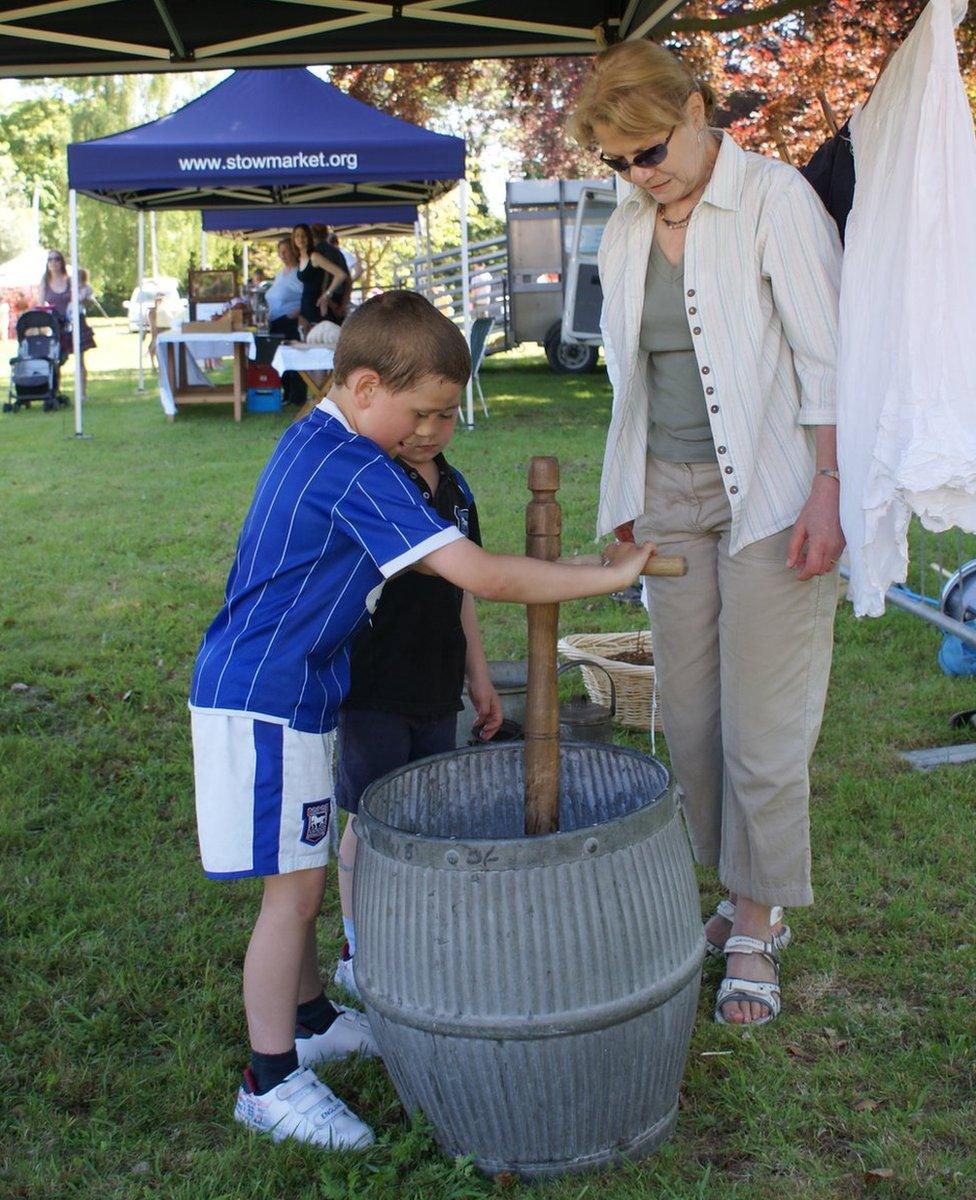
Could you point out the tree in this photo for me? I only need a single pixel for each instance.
(34, 133)
(777, 79)
(544, 92)
(771, 62)
(776, 66)
(15, 229)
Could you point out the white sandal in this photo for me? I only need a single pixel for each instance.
(726, 910)
(750, 991)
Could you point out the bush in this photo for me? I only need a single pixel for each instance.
(111, 300)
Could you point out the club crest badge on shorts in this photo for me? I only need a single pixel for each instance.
(315, 821)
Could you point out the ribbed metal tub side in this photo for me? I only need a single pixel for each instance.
(533, 996)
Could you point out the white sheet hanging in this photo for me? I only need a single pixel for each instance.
(906, 375)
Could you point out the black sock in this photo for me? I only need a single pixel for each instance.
(271, 1069)
(315, 1016)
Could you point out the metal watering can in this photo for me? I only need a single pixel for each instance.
(580, 720)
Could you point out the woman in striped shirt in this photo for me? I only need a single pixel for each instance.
(720, 274)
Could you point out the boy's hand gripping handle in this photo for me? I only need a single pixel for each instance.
(669, 565)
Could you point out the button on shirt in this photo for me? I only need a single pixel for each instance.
(761, 276)
(332, 518)
(285, 294)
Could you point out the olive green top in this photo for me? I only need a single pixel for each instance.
(678, 429)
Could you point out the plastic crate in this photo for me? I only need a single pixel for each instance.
(263, 400)
(261, 377)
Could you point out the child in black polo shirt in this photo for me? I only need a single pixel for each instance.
(408, 668)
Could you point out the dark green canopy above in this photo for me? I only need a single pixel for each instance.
(90, 37)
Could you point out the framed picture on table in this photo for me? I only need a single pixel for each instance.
(211, 287)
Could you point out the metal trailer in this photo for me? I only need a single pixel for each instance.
(583, 294)
(544, 236)
(538, 282)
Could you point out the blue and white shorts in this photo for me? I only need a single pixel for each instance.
(264, 795)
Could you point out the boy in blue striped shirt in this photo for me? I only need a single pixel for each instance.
(332, 518)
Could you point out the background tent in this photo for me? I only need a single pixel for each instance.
(268, 138)
(395, 220)
(24, 270)
(391, 219)
(67, 37)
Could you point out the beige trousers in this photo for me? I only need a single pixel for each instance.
(742, 652)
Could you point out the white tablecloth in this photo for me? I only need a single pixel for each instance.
(199, 346)
(302, 358)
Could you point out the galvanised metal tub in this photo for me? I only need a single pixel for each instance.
(534, 997)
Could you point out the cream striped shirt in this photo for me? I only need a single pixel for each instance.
(761, 281)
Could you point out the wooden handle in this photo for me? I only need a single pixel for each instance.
(543, 539)
(670, 565)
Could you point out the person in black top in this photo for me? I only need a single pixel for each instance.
(831, 174)
(321, 278)
(339, 304)
(408, 668)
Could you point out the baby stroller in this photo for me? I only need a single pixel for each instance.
(36, 371)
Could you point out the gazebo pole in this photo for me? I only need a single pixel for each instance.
(246, 266)
(429, 285)
(153, 257)
(75, 306)
(465, 288)
(203, 246)
(416, 254)
(141, 314)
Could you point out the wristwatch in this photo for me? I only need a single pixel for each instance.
(830, 473)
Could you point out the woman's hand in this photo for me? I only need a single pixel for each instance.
(323, 303)
(817, 542)
(487, 705)
(625, 532)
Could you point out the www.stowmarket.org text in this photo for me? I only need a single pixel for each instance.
(349, 161)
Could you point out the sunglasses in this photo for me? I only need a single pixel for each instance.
(653, 156)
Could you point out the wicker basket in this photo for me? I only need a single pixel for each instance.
(636, 688)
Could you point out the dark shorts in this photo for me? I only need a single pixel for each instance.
(372, 744)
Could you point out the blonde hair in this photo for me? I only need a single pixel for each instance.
(636, 87)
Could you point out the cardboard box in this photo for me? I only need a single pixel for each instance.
(222, 324)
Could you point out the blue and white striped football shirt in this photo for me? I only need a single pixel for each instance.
(332, 518)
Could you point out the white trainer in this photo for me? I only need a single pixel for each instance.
(348, 1034)
(345, 974)
(303, 1108)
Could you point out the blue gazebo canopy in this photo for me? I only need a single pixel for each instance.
(268, 137)
(353, 220)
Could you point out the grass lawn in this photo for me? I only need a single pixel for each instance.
(119, 992)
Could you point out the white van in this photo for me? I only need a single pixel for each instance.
(174, 307)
